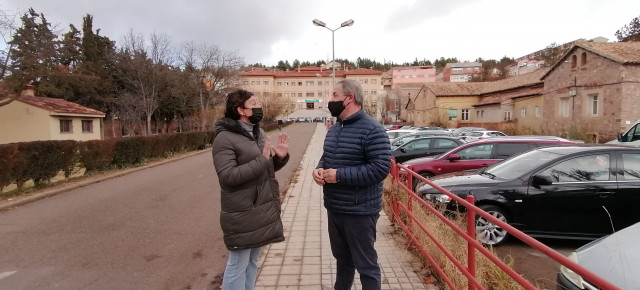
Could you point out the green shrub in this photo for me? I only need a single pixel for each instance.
(129, 151)
(97, 155)
(8, 155)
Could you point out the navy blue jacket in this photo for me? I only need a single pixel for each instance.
(358, 147)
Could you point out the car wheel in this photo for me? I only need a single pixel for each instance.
(417, 182)
(488, 233)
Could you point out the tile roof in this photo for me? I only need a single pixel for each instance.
(515, 82)
(59, 106)
(309, 72)
(622, 52)
(455, 89)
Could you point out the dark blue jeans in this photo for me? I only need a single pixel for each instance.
(352, 238)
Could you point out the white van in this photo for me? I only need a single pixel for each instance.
(631, 137)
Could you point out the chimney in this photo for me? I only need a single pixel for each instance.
(28, 91)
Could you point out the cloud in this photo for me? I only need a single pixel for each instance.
(243, 26)
(419, 11)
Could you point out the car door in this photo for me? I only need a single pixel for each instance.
(623, 205)
(471, 157)
(506, 150)
(573, 202)
(413, 149)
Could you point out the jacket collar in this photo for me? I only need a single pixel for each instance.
(356, 116)
(228, 124)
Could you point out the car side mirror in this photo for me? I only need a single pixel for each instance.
(539, 180)
(403, 150)
(454, 157)
(620, 137)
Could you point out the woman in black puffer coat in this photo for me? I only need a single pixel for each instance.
(245, 162)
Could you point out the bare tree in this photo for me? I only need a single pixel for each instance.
(216, 73)
(7, 28)
(273, 106)
(145, 67)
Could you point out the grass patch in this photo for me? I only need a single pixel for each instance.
(489, 275)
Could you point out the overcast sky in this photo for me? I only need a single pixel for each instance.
(268, 31)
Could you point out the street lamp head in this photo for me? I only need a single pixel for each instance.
(347, 23)
(319, 23)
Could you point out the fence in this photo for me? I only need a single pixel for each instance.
(468, 234)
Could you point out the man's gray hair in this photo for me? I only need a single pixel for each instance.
(352, 87)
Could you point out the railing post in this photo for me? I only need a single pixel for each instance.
(394, 170)
(471, 231)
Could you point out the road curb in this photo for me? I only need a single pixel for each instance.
(40, 194)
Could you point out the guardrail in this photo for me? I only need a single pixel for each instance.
(469, 235)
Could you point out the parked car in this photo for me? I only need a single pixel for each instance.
(470, 136)
(393, 134)
(615, 258)
(397, 142)
(392, 127)
(631, 137)
(429, 128)
(476, 155)
(426, 146)
(577, 192)
(459, 131)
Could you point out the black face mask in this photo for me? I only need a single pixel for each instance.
(336, 107)
(256, 115)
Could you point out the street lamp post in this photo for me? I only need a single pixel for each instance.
(333, 48)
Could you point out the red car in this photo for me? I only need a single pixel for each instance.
(478, 154)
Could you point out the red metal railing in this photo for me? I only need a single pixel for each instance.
(469, 235)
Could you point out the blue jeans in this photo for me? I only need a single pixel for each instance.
(352, 239)
(242, 270)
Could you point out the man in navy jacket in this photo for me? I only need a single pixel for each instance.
(355, 162)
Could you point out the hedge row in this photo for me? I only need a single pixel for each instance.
(42, 160)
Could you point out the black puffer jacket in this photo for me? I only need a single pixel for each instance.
(250, 215)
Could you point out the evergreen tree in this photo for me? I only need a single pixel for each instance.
(629, 32)
(34, 56)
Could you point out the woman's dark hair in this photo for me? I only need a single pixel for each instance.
(236, 100)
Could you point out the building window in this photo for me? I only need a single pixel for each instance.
(453, 113)
(465, 115)
(366, 81)
(66, 126)
(87, 126)
(279, 84)
(279, 95)
(286, 95)
(310, 83)
(480, 114)
(456, 70)
(583, 59)
(245, 82)
(299, 84)
(374, 81)
(309, 95)
(574, 61)
(507, 115)
(564, 107)
(319, 94)
(374, 93)
(266, 83)
(523, 112)
(253, 83)
(299, 95)
(593, 103)
(538, 111)
(319, 83)
(286, 84)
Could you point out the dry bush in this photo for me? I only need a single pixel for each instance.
(487, 273)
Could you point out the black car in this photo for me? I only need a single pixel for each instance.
(426, 146)
(578, 192)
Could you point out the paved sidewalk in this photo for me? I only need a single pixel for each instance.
(304, 260)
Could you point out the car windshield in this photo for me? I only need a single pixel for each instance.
(520, 164)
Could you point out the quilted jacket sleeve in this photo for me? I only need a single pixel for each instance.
(376, 165)
(230, 173)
